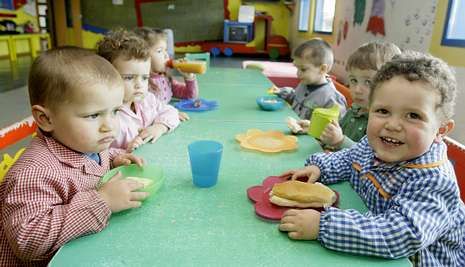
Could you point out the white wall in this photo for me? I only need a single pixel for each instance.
(459, 131)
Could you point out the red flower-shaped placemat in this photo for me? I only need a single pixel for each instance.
(260, 194)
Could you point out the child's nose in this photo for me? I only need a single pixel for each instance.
(107, 124)
(393, 124)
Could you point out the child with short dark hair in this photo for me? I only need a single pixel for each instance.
(362, 66)
(400, 170)
(313, 59)
(52, 195)
(143, 117)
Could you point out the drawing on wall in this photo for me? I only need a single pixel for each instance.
(346, 29)
(339, 32)
(376, 21)
(359, 14)
(418, 26)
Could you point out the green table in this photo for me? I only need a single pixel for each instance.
(187, 226)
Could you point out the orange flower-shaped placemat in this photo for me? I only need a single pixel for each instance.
(267, 141)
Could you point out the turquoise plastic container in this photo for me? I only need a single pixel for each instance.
(205, 158)
(152, 172)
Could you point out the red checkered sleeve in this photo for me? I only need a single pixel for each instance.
(113, 153)
(42, 212)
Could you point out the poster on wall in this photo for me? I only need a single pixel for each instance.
(376, 21)
(359, 13)
(408, 24)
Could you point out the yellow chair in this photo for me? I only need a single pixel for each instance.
(8, 161)
(11, 47)
(33, 39)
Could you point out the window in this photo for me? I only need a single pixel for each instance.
(324, 16)
(304, 12)
(454, 28)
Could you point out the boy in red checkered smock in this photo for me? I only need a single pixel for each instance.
(52, 194)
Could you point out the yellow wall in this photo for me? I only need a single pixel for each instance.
(89, 39)
(453, 55)
(279, 26)
(296, 36)
(22, 17)
(278, 11)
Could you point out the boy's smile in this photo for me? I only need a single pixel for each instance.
(403, 119)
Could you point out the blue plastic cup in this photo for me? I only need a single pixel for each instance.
(205, 157)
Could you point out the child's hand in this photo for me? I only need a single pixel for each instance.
(126, 159)
(135, 143)
(332, 135)
(119, 193)
(187, 76)
(312, 173)
(274, 90)
(297, 126)
(152, 133)
(301, 224)
(183, 116)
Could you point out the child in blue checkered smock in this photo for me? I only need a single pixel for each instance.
(400, 170)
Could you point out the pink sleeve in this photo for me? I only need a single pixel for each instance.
(128, 130)
(185, 90)
(39, 222)
(160, 113)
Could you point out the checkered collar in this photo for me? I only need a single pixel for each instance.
(434, 157)
(76, 159)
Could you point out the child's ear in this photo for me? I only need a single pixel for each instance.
(42, 117)
(324, 68)
(445, 128)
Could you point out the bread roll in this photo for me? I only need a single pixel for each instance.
(302, 195)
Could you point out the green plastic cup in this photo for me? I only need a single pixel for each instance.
(320, 118)
(152, 176)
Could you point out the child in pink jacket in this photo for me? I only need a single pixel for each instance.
(162, 86)
(143, 117)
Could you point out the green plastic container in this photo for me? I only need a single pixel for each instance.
(320, 118)
(152, 172)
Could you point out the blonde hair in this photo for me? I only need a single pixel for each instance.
(315, 51)
(120, 42)
(416, 66)
(57, 73)
(151, 35)
(371, 56)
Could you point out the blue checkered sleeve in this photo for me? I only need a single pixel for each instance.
(418, 216)
(334, 167)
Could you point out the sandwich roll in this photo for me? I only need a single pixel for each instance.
(302, 195)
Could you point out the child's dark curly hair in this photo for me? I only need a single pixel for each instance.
(416, 66)
(121, 42)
